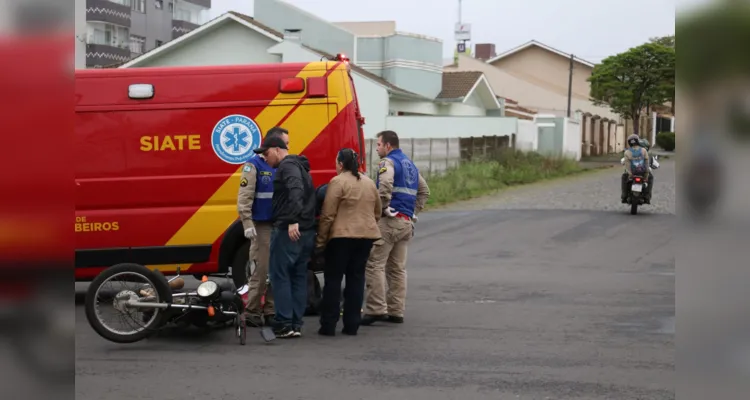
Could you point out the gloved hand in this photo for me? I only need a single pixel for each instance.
(250, 232)
(389, 211)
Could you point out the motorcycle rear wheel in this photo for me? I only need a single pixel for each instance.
(634, 209)
(163, 295)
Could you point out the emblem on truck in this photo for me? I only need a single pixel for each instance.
(234, 138)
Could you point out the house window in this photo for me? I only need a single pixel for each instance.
(121, 2)
(137, 44)
(139, 6)
(159, 4)
(107, 34)
(187, 14)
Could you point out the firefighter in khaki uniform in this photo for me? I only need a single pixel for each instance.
(403, 193)
(254, 204)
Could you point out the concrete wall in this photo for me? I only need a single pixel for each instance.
(229, 44)
(451, 127)
(369, 28)
(429, 155)
(411, 47)
(370, 54)
(415, 80)
(601, 136)
(373, 103)
(412, 62)
(316, 32)
(472, 107)
(527, 137)
(80, 33)
(571, 139)
(154, 25)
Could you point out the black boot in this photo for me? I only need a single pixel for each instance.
(369, 319)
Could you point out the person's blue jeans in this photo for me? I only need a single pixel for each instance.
(288, 274)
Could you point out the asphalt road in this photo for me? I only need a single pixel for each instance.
(550, 291)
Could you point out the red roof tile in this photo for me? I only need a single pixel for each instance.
(458, 84)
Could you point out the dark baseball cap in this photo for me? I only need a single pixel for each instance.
(269, 142)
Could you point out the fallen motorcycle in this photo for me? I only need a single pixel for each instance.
(154, 302)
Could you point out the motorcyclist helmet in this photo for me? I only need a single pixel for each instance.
(645, 144)
(633, 140)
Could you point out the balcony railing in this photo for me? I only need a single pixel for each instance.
(102, 55)
(202, 3)
(107, 11)
(180, 28)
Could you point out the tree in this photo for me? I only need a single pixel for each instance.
(668, 40)
(629, 82)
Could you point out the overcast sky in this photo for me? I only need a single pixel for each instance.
(590, 29)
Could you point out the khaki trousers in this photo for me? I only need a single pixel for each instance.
(260, 251)
(387, 264)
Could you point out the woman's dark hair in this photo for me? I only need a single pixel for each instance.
(348, 158)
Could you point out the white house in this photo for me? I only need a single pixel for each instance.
(465, 105)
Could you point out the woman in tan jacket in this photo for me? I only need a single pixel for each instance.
(347, 228)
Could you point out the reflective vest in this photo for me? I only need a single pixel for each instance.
(405, 183)
(262, 205)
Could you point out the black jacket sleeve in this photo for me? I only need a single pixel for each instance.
(292, 179)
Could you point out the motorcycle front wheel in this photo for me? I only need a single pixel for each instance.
(140, 323)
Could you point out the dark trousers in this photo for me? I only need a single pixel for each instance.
(624, 188)
(344, 257)
(288, 274)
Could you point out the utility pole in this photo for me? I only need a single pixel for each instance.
(460, 9)
(570, 83)
(455, 58)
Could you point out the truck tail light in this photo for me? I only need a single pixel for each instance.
(292, 85)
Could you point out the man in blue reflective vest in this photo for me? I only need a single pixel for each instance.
(254, 204)
(403, 193)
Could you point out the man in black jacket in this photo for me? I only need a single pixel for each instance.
(293, 235)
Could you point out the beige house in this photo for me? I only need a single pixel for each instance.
(536, 77)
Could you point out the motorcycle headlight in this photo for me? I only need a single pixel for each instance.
(207, 289)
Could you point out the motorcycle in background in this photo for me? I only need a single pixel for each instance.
(636, 185)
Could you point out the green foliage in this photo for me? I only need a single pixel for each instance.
(668, 41)
(666, 140)
(631, 81)
(503, 169)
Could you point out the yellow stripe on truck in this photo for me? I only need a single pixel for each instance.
(220, 210)
(312, 120)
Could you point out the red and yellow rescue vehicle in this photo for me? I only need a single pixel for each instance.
(159, 153)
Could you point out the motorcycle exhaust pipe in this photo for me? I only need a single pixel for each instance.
(165, 306)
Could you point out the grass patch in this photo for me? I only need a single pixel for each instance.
(507, 168)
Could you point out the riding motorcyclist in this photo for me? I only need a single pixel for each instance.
(636, 161)
(653, 163)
